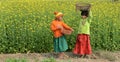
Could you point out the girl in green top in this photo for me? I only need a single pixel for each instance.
(82, 46)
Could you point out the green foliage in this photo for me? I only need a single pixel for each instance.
(16, 60)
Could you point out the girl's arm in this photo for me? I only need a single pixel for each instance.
(66, 26)
(90, 16)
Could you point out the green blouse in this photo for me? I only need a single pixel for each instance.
(84, 25)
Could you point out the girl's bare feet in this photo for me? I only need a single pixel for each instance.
(94, 57)
(81, 56)
(86, 56)
(63, 56)
(90, 56)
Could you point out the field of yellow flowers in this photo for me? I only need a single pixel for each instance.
(25, 24)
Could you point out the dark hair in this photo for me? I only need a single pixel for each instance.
(85, 13)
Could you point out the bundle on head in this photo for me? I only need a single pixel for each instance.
(83, 6)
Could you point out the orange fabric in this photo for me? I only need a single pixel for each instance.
(57, 32)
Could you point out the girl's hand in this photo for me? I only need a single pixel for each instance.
(71, 29)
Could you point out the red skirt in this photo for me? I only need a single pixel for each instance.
(82, 45)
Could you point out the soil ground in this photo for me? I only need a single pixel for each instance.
(101, 56)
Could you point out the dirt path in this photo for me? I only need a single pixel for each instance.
(36, 57)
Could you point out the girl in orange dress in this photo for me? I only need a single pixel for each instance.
(60, 43)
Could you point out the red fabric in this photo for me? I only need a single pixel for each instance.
(82, 45)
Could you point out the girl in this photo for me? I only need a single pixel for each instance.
(57, 25)
(82, 46)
